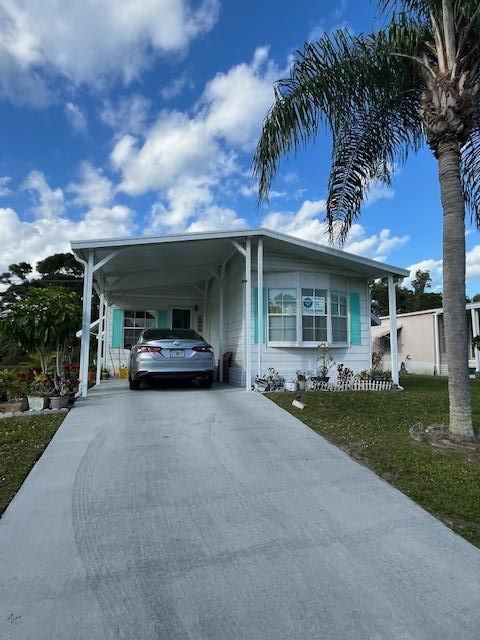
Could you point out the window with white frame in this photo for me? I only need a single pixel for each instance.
(314, 315)
(134, 322)
(321, 315)
(339, 316)
(282, 315)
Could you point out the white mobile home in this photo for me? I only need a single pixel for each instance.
(421, 340)
(266, 298)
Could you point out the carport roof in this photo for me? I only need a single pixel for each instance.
(189, 258)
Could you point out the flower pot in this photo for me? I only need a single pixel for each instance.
(37, 403)
(58, 402)
(290, 386)
(12, 406)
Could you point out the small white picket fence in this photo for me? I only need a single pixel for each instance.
(353, 385)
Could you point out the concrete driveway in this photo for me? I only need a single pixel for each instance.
(213, 514)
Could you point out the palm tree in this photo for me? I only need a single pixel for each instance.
(383, 96)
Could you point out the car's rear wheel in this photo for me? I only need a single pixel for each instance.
(206, 383)
(134, 384)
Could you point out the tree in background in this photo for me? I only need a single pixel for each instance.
(383, 96)
(421, 282)
(408, 300)
(42, 321)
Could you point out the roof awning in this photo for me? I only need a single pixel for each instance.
(385, 333)
(143, 268)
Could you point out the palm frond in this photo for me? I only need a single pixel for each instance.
(471, 171)
(367, 149)
(367, 90)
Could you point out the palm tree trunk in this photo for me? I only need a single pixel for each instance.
(456, 328)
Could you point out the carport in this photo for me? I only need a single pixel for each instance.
(139, 270)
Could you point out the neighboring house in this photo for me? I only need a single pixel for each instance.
(266, 298)
(421, 340)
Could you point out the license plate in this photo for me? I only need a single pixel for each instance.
(177, 353)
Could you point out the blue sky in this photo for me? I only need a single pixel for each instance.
(141, 118)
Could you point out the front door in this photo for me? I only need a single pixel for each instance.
(181, 318)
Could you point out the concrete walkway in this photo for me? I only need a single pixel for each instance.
(212, 514)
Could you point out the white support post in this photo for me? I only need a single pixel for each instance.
(476, 332)
(86, 319)
(436, 337)
(205, 301)
(260, 305)
(220, 323)
(101, 312)
(392, 305)
(248, 315)
(106, 337)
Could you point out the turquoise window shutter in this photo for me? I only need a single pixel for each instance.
(255, 315)
(162, 319)
(355, 329)
(117, 328)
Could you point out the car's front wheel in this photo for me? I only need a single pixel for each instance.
(134, 384)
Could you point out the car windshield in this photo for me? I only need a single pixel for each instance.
(171, 334)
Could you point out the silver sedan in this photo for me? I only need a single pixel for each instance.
(171, 354)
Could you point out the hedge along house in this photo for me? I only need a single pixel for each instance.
(266, 298)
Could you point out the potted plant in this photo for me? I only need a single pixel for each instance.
(276, 382)
(261, 384)
(325, 362)
(60, 397)
(272, 381)
(39, 391)
(12, 391)
(302, 377)
(105, 374)
(292, 385)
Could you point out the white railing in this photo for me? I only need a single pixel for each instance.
(352, 385)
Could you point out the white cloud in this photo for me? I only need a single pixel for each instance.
(49, 203)
(290, 177)
(32, 241)
(89, 42)
(128, 116)
(4, 188)
(94, 188)
(185, 157)
(176, 148)
(176, 87)
(235, 103)
(309, 223)
(378, 191)
(75, 117)
(215, 218)
(376, 246)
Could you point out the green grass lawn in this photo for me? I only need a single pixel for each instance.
(22, 442)
(373, 428)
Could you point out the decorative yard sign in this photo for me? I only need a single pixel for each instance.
(313, 305)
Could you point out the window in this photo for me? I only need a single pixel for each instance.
(134, 323)
(282, 315)
(339, 316)
(314, 315)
